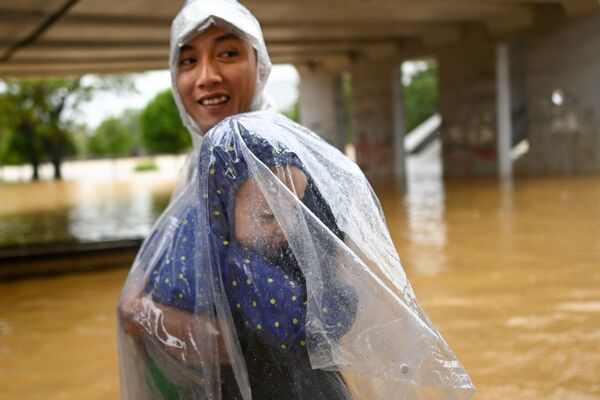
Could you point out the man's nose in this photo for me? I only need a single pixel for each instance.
(208, 74)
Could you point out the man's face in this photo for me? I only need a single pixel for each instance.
(216, 76)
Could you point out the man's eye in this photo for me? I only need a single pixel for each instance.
(187, 61)
(228, 54)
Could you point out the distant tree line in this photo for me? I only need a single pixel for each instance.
(155, 129)
(37, 126)
(421, 96)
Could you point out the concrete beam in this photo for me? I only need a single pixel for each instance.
(13, 29)
(76, 44)
(381, 51)
(8, 71)
(576, 8)
(316, 50)
(41, 54)
(356, 11)
(40, 6)
(108, 32)
(309, 30)
(336, 62)
(293, 29)
(39, 28)
(509, 23)
(341, 61)
(441, 36)
(108, 67)
(53, 62)
(120, 8)
(29, 15)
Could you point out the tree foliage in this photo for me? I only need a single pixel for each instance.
(421, 96)
(117, 136)
(162, 130)
(35, 123)
(32, 112)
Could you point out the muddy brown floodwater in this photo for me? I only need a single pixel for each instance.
(509, 273)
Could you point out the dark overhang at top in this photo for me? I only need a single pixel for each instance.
(59, 37)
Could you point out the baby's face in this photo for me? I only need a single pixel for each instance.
(255, 225)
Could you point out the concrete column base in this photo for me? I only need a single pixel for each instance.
(373, 115)
(468, 109)
(320, 105)
(563, 100)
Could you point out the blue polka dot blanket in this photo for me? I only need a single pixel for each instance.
(272, 275)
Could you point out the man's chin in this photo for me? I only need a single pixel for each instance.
(205, 127)
(209, 122)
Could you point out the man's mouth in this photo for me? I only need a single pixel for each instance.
(214, 100)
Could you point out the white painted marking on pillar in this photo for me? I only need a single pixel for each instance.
(398, 124)
(503, 111)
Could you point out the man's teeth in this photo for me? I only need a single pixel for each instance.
(214, 100)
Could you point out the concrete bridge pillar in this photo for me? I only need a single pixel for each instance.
(378, 116)
(563, 99)
(321, 103)
(468, 108)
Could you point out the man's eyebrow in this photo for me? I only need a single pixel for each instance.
(225, 37)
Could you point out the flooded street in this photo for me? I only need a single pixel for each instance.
(99, 200)
(510, 274)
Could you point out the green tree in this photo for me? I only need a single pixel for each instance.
(116, 136)
(162, 130)
(36, 117)
(110, 139)
(20, 125)
(131, 120)
(421, 97)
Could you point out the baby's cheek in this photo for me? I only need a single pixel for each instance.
(260, 236)
(269, 237)
(275, 234)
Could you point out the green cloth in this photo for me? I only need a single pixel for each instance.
(160, 383)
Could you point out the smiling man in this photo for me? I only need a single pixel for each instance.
(219, 63)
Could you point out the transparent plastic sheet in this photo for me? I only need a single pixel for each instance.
(272, 275)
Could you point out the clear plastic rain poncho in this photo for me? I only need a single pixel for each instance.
(272, 275)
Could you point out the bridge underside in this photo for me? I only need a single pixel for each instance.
(504, 65)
